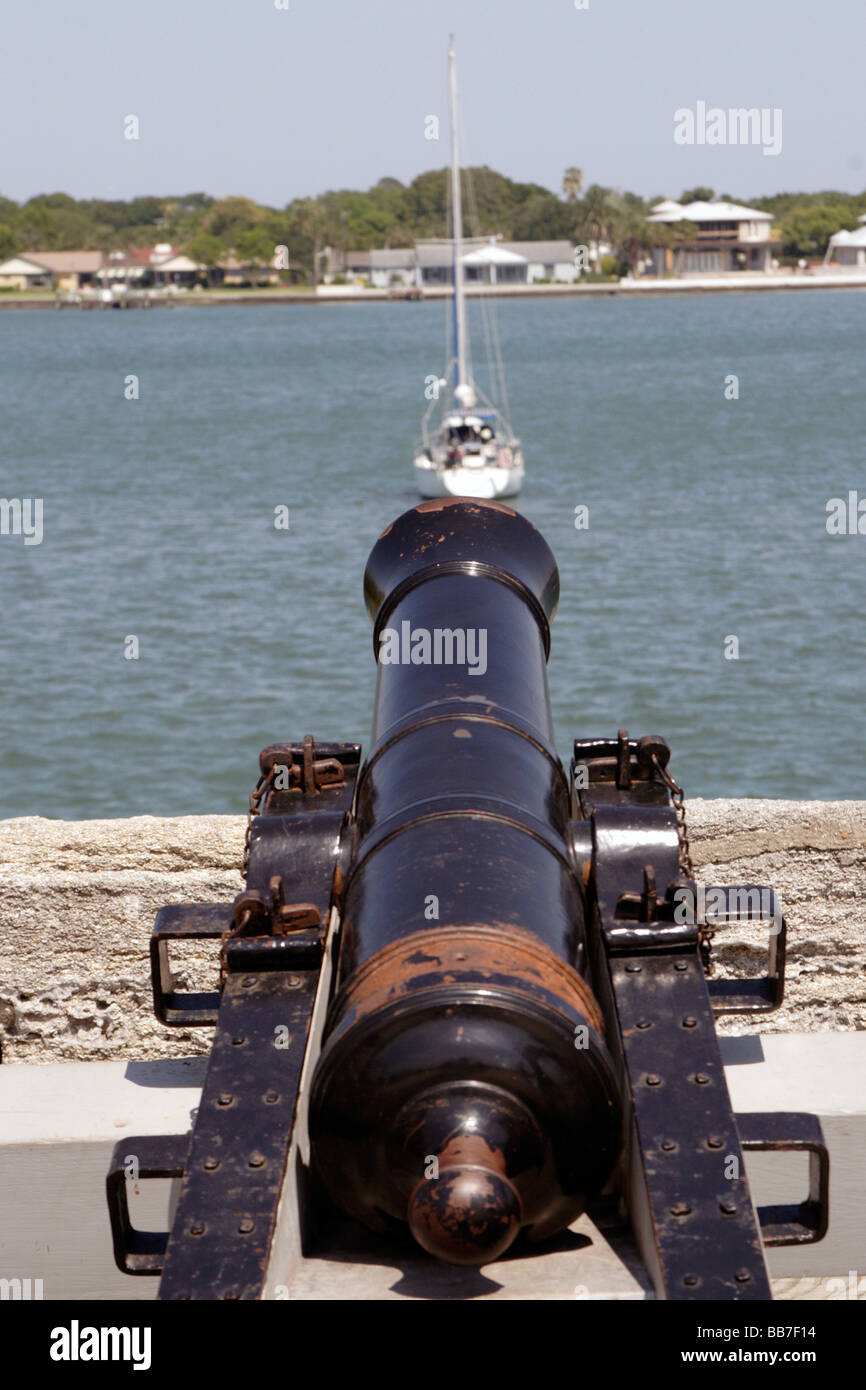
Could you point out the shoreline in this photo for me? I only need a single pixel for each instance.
(625, 288)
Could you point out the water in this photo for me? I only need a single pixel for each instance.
(707, 520)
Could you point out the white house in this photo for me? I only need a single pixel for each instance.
(22, 273)
(486, 260)
(546, 260)
(845, 248)
(729, 237)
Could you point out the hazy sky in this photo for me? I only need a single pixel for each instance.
(239, 97)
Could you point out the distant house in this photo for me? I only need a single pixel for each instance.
(845, 248)
(546, 260)
(71, 270)
(146, 267)
(131, 268)
(486, 260)
(62, 270)
(24, 273)
(395, 267)
(728, 238)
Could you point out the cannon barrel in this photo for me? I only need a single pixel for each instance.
(464, 1086)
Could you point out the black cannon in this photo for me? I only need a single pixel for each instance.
(510, 969)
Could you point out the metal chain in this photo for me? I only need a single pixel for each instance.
(678, 797)
(257, 795)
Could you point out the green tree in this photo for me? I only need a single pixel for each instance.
(698, 195)
(807, 231)
(543, 217)
(207, 249)
(8, 241)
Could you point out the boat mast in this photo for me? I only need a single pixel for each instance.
(457, 232)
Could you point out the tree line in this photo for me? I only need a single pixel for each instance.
(394, 214)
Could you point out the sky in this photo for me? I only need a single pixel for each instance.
(243, 97)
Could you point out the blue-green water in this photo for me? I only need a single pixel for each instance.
(707, 520)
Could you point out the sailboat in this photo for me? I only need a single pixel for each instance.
(471, 450)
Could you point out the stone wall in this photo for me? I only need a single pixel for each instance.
(79, 899)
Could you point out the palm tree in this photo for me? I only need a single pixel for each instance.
(572, 183)
(595, 215)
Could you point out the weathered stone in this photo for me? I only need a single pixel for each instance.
(79, 899)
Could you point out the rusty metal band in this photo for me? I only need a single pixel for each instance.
(532, 968)
(472, 569)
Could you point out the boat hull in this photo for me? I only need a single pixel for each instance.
(486, 482)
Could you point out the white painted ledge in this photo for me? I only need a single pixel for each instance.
(59, 1125)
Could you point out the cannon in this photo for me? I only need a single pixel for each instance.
(476, 992)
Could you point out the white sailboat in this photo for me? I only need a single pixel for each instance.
(471, 450)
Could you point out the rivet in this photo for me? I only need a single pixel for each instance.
(702, 1079)
(293, 981)
(728, 1208)
(690, 1280)
(197, 1228)
(246, 1225)
(742, 1276)
(248, 981)
(681, 965)
(210, 1164)
(271, 1097)
(680, 1209)
(653, 1080)
(633, 969)
(238, 1042)
(668, 1145)
(689, 1022)
(644, 1023)
(257, 1160)
(225, 1098)
(714, 1142)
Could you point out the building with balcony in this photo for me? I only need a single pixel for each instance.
(728, 238)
